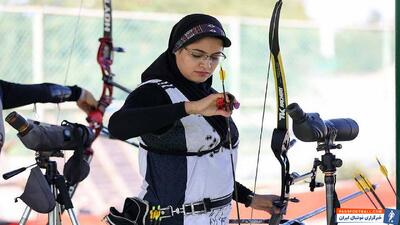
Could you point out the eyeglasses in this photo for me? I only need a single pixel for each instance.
(199, 55)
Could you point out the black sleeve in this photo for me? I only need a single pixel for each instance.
(242, 192)
(148, 109)
(15, 95)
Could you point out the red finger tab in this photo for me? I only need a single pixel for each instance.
(220, 103)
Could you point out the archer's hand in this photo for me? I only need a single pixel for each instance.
(265, 202)
(86, 101)
(208, 106)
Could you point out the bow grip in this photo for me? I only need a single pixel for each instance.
(95, 118)
(275, 219)
(280, 141)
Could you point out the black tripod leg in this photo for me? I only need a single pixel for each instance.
(336, 204)
(64, 198)
(330, 200)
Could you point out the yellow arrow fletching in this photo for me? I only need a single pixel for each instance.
(382, 168)
(365, 182)
(362, 182)
(358, 184)
(222, 74)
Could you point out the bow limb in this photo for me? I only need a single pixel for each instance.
(279, 75)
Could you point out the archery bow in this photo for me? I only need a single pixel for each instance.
(105, 55)
(104, 59)
(280, 142)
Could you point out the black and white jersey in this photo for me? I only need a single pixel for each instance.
(178, 179)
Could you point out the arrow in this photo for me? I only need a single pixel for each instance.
(385, 173)
(222, 76)
(360, 186)
(366, 183)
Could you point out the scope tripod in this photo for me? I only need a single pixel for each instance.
(328, 165)
(58, 188)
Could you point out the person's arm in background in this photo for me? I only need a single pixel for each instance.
(15, 95)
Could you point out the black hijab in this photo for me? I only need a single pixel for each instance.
(188, 30)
